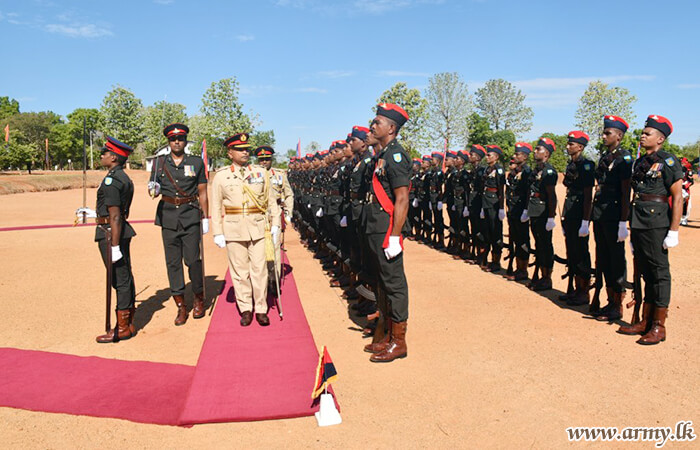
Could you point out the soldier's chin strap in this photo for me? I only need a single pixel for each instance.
(388, 206)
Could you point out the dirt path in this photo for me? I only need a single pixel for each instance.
(490, 363)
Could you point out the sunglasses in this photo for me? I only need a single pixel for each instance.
(177, 138)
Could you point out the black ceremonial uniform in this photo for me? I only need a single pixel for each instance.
(425, 205)
(179, 216)
(461, 194)
(613, 168)
(358, 193)
(117, 189)
(476, 193)
(579, 175)
(435, 195)
(517, 193)
(493, 180)
(650, 220)
(414, 211)
(393, 170)
(538, 211)
(449, 198)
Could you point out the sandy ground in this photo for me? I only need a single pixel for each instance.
(491, 364)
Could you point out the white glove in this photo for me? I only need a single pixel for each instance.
(319, 213)
(481, 214)
(205, 225)
(524, 217)
(220, 240)
(344, 221)
(583, 231)
(671, 239)
(275, 232)
(153, 189)
(465, 212)
(454, 208)
(117, 253)
(501, 214)
(308, 205)
(439, 205)
(89, 213)
(550, 224)
(430, 205)
(622, 231)
(394, 248)
(685, 193)
(288, 219)
(415, 203)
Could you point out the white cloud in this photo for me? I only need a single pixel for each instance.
(399, 73)
(245, 37)
(335, 74)
(689, 86)
(81, 31)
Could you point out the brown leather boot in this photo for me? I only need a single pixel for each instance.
(520, 270)
(132, 329)
(657, 333)
(545, 282)
(121, 332)
(581, 294)
(642, 326)
(396, 347)
(613, 311)
(495, 265)
(181, 310)
(198, 307)
(381, 338)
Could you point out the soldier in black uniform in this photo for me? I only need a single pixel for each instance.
(492, 212)
(579, 180)
(113, 234)
(386, 217)
(610, 212)
(436, 194)
(449, 199)
(413, 202)
(656, 177)
(541, 210)
(424, 199)
(476, 192)
(517, 194)
(181, 180)
(461, 194)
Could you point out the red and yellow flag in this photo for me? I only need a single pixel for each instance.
(325, 373)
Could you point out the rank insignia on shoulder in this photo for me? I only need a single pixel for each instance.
(397, 157)
(368, 159)
(627, 158)
(587, 166)
(550, 171)
(108, 181)
(670, 162)
(500, 171)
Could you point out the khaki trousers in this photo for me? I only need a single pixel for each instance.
(246, 261)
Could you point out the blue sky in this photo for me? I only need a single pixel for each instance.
(311, 69)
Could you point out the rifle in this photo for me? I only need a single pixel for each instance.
(636, 292)
(108, 293)
(569, 274)
(511, 254)
(594, 309)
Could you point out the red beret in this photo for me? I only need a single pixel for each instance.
(660, 123)
(579, 137)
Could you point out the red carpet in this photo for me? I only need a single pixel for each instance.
(243, 374)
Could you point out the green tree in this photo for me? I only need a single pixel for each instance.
(502, 104)
(413, 135)
(449, 106)
(122, 114)
(155, 118)
(506, 140)
(93, 126)
(64, 145)
(33, 129)
(599, 100)
(479, 130)
(312, 147)
(259, 138)
(8, 107)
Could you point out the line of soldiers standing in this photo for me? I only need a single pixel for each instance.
(478, 196)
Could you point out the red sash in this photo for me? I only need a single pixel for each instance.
(387, 205)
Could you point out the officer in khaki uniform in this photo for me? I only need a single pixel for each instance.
(282, 191)
(240, 207)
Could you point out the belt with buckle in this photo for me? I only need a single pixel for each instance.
(245, 210)
(651, 198)
(177, 201)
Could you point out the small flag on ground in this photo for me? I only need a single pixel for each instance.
(205, 158)
(325, 373)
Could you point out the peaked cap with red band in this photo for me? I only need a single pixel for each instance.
(451, 154)
(463, 154)
(393, 112)
(426, 158)
(264, 152)
(117, 147)
(548, 144)
(175, 129)
(660, 123)
(237, 141)
(579, 137)
(436, 154)
(416, 160)
(479, 150)
(615, 122)
(523, 147)
(494, 149)
(359, 132)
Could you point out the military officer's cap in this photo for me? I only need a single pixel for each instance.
(426, 158)
(579, 137)
(463, 154)
(309, 156)
(615, 122)
(494, 149)
(548, 144)
(479, 150)
(393, 112)
(451, 154)
(239, 140)
(436, 154)
(416, 160)
(175, 129)
(523, 147)
(264, 152)
(359, 132)
(660, 123)
(117, 147)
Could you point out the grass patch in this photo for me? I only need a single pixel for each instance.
(14, 183)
